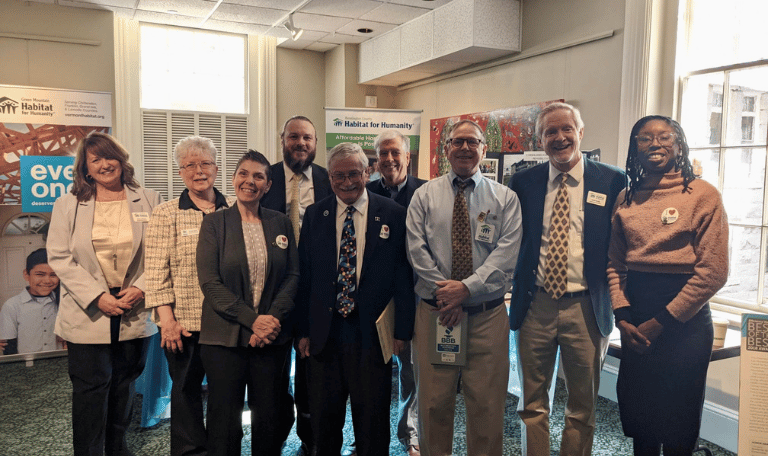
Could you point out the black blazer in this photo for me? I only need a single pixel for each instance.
(403, 198)
(385, 274)
(275, 198)
(531, 187)
(222, 269)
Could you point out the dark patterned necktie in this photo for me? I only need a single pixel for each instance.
(556, 273)
(461, 237)
(347, 282)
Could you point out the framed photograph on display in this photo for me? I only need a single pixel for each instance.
(489, 167)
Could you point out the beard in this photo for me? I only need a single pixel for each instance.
(298, 166)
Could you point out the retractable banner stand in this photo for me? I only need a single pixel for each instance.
(753, 387)
(39, 130)
(361, 126)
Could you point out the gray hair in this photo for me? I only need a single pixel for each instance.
(193, 144)
(554, 107)
(388, 135)
(346, 150)
(470, 122)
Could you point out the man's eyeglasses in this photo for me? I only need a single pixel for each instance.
(664, 139)
(472, 143)
(205, 166)
(353, 176)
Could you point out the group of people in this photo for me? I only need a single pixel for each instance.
(308, 259)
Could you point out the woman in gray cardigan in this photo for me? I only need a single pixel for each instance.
(247, 264)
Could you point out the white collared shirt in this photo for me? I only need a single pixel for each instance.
(575, 183)
(306, 190)
(360, 219)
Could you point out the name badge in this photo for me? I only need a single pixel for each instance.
(140, 216)
(282, 241)
(485, 232)
(190, 232)
(384, 234)
(597, 199)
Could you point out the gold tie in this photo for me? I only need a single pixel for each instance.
(295, 205)
(556, 273)
(461, 242)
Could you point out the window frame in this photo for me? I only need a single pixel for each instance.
(719, 302)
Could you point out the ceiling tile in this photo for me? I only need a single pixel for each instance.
(191, 8)
(290, 44)
(168, 19)
(321, 47)
(340, 38)
(394, 14)
(377, 27)
(235, 27)
(129, 4)
(341, 8)
(247, 14)
(421, 3)
(319, 22)
(285, 5)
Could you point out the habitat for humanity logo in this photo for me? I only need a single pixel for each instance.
(8, 106)
(337, 122)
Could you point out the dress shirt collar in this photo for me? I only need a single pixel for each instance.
(399, 186)
(27, 297)
(185, 202)
(576, 173)
(361, 205)
(289, 173)
(475, 178)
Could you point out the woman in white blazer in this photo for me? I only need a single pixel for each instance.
(95, 246)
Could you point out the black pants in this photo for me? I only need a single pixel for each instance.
(102, 378)
(299, 398)
(230, 370)
(188, 436)
(341, 371)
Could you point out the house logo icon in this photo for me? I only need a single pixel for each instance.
(8, 106)
(337, 122)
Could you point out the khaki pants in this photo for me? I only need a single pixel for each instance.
(484, 384)
(568, 323)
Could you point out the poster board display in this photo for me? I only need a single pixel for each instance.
(509, 131)
(753, 386)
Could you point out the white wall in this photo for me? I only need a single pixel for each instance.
(588, 76)
(301, 86)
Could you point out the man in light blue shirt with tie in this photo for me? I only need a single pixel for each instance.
(464, 233)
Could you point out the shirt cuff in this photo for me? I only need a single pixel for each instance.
(622, 314)
(666, 319)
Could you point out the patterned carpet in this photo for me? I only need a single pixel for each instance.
(36, 410)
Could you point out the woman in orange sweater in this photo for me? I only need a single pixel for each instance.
(668, 256)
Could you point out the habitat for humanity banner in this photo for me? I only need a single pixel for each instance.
(39, 131)
(361, 126)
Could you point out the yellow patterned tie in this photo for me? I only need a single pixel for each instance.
(295, 205)
(461, 237)
(556, 273)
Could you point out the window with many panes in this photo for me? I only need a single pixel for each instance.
(724, 112)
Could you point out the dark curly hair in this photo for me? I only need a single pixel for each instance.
(635, 171)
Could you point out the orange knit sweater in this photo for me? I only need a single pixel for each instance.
(670, 231)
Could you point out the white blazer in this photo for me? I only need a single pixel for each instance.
(71, 256)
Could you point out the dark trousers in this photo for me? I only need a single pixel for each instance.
(188, 436)
(102, 378)
(299, 399)
(346, 370)
(230, 370)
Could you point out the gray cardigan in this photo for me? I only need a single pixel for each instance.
(222, 268)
